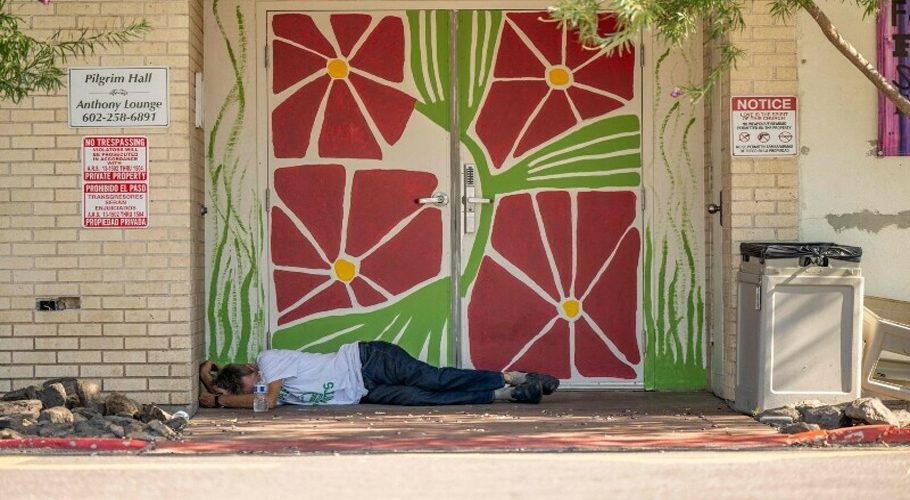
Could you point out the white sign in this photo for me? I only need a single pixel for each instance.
(763, 125)
(118, 97)
(115, 182)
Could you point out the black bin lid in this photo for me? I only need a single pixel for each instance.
(818, 253)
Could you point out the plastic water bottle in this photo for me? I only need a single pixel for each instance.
(260, 404)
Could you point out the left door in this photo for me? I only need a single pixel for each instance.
(358, 154)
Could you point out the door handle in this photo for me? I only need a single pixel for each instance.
(718, 208)
(439, 199)
(479, 200)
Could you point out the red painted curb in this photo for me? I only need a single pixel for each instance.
(861, 434)
(80, 444)
(492, 443)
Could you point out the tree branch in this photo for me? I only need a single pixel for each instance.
(846, 48)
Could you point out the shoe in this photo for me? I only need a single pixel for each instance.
(528, 392)
(548, 383)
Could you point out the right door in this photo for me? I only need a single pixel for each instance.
(550, 136)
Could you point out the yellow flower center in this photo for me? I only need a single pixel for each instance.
(571, 308)
(337, 68)
(559, 77)
(345, 270)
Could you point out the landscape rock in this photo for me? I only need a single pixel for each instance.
(52, 395)
(144, 436)
(903, 417)
(117, 431)
(87, 413)
(797, 427)
(163, 430)
(88, 429)
(776, 420)
(153, 412)
(871, 411)
(177, 423)
(30, 392)
(89, 395)
(784, 411)
(29, 408)
(827, 417)
(57, 415)
(10, 434)
(69, 386)
(55, 430)
(118, 404)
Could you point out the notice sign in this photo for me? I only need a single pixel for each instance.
(118, 97)
(115, 182)
(763, 125)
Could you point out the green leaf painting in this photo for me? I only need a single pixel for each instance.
(419, 323)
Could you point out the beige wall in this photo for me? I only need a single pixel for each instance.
(841, 174)
(760, 194)
(139, 329)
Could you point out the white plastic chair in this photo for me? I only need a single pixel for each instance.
(883, 335)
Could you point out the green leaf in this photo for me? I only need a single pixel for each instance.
(419, 323)
(478, 32)
(606, 153)
(430, 63)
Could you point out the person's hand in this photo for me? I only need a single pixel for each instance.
(207, 400)
(205, 369)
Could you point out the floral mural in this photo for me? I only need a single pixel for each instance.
(561, 280)
(544, 83)
(344, 80)
(336, 246)
(558, 275)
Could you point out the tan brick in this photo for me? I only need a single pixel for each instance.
(125, 329)
(34, 357)
(147, 343)
(16, 372)
(101, 343)
(16, 344)
(56, 343)
(169, 384)
(169, 356)
(79, 356)
(124, 356)
(146, 370)
(53, 371)
(102, 316)
(102, 371)
(80, 329)
(124, 384)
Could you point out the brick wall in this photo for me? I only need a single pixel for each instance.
(139, 329)
(761, 194)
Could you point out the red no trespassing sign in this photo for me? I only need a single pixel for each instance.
(115, 186)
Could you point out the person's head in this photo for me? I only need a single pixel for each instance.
(237, 379)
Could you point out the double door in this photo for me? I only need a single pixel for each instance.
(464, 184)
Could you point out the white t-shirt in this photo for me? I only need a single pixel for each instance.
(315, 379)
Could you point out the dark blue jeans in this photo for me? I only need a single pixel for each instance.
(393, 377)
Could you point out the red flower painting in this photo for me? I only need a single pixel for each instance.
(545, 82)
(557, 288)
(340, 241)
(338, 85)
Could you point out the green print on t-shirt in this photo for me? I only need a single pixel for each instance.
(310, 398)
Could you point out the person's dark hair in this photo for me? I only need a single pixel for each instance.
(230, 378)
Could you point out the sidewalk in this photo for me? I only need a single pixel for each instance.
(565, 421)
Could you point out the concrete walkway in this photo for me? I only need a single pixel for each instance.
(565, 421)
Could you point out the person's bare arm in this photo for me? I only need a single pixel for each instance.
(205, 375)
(242, 400)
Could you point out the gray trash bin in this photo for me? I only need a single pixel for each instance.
(799, 324)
